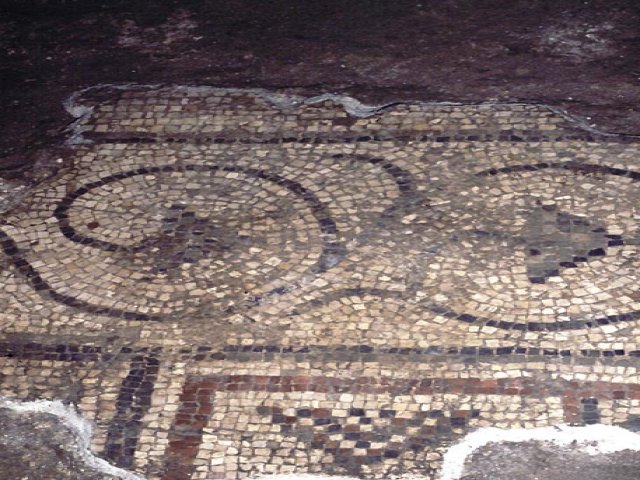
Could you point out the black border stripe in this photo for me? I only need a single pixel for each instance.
(132, 404)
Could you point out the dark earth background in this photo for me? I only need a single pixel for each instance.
(583, 56)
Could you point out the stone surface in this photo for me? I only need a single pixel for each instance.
(231, 283)
(540, 461)
(40, 445)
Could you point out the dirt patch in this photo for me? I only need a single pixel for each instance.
(542, 461)
(174, 33)
(38, 444)
(580, 55)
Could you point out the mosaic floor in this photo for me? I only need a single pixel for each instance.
(229, 284)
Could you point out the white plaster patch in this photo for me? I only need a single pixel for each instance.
(80, 112)
(80, 428)
(591, 439)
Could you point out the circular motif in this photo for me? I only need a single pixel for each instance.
(212, 232)
(202, 240)
(543, 247)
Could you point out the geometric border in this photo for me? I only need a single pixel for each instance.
(196, 402)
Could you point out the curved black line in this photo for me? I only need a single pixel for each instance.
(535, 326)
(40, 285)
(333, 250)
(402, 178)
(326, 224)
(573, 166)
(347, 292)
(474, 319)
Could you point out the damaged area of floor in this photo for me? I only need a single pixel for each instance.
(48, 440)
(230, 284)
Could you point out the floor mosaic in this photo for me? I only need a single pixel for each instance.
(231, 283)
